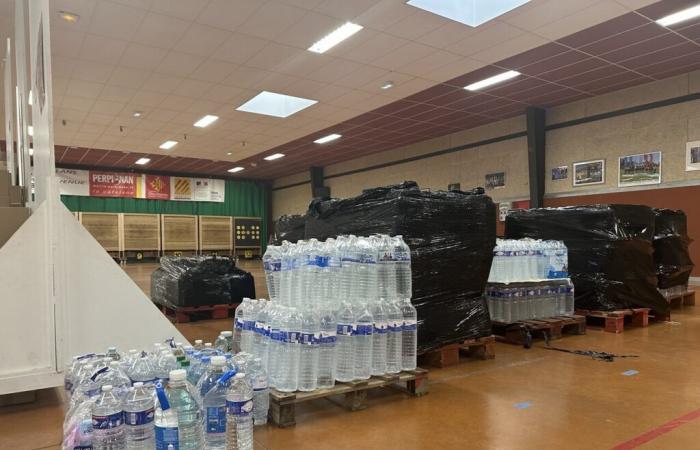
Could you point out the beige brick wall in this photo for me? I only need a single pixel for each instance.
(666, 129)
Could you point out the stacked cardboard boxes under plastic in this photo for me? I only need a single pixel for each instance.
(610, 251)
(451, 236)
(199, 281)
(671, 256)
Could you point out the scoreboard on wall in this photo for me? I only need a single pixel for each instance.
(246, 234)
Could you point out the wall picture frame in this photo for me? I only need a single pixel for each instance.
(692, 156)
(640, 169)
(588, 173)
(495, 180)
(560, 173)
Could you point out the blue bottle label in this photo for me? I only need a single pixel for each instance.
(410, 325)
(275, 334)
(363, 330)
(106, 422)
(240, 408)
(139, 418)
(345, 329)
(322, 261)
(82, 447)
(68, 386)
(216, 419)
(307, 338)
(238, 324)
(380, 327)
(167, 436)
(327, 337)
(249, 325)
(290, 337)
(260, 328)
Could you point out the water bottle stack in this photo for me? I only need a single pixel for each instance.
(529, 280)
(339, 310)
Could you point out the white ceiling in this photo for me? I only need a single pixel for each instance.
(177, 60)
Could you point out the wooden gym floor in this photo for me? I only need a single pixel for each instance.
(523, 399)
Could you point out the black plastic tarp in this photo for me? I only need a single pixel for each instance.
(199, 280)
(671, 256)
(451, 236)
(289, 228)
(610, 251)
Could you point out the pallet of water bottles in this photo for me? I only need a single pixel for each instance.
(351, 395)
(523, 311)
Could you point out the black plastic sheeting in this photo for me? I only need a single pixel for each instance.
(289, 228)
(610, 251)
(671, 257)
(451, 236)
(199, 281)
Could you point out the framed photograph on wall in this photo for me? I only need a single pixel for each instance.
(692, 156)
(560, 173)
(589, 172)
(638, 170)
(495, 180)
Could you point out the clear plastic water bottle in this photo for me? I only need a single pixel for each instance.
(362, 337)
(261, 391)
(288, 370)
(394, 336)
(261, 335)
(197, 370)
(198, 344)
(272, 262)
(220, 343)
(166, 363)
(116, 377)
(142, 370)
(409, 344)
(113, 353)
(570, 306)
(108, 422)
(249, 315)
(402, 254)
(345, 350)
(241, 361)
(327, 347)
(238, 322)
(213, 372)
(379, 338)
(139, 413)
(166, 422)
(274, 351)
(214, 403)
(239, 406)
(308, 349)
(185, 400)
(87, 388)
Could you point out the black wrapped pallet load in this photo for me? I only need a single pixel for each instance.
(451, 236)
(610, 251)
(199, 281)
(289, 228)
(671, 255)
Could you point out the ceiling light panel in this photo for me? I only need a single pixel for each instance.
(235, 169)
(206, 121)
(274, 157)
(275, 105)
(680, 16)
(143, 161)
(167, 145)
(329, 138)
(500, 78)
(336, 37)
(468, 12)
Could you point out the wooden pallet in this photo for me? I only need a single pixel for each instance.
(685, 299)
(449, 355)
(182, 314)
(551, 328)
(614, 321)
(283, 404)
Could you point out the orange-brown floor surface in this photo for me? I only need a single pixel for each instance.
(524, 399)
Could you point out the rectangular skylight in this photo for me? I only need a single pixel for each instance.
(235, 169)
(276, 105)
(468, 12)
(206, 121)
(336, 37)
(143, 161)
(330, 137)
(500, 78)
(274, 157)
(167, 145)
(680, 16)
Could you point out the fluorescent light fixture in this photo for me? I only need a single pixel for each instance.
(167, 145)
(500, 78)
(143, 161)
(680, 16)
(387, 85)
(468, 12)
(229, 153)
(69, 16)
(336, 37)
(274, 156)
(276, 105)
(235, 169)
(29, 98)
(137, 114)
(330, 137)
(30, 130)
(206, 121)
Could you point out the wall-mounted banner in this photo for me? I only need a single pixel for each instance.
(135, 185)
